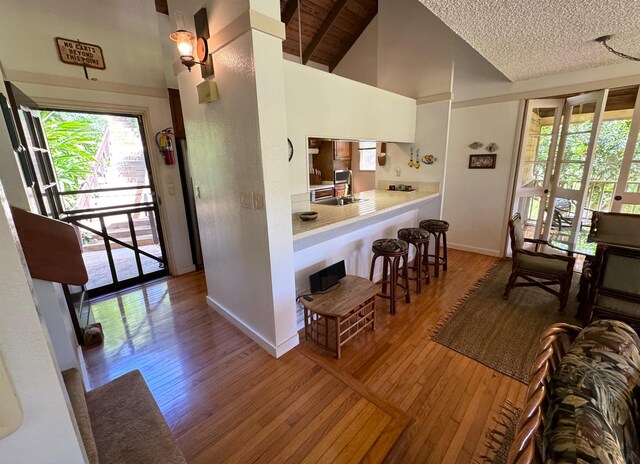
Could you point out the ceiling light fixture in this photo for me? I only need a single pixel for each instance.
(605, 38)
(184, 40)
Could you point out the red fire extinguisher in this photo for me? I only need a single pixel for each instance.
(165, 145)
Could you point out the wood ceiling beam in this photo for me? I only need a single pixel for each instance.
(326, 25)
(289, 12)
(161, 7)
(347, 47)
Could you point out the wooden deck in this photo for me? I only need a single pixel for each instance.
(395, 396)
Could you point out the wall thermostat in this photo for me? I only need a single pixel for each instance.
(207, 92)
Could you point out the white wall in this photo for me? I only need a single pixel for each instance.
(237, 149)
(432, 131)
(55, 314)
(325, 105)
(134, 79)
(310, 63)
(126, 31)
(47, 432)
(476, 200)
(361, 61)
(406, 49)
(415, 50)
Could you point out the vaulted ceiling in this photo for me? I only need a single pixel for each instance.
(329, 27)
(161, 6)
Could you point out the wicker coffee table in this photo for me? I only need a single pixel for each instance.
(331, 319)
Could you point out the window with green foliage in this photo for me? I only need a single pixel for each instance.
(74, 139)
(610, 148)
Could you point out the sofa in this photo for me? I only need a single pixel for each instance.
(582, 402)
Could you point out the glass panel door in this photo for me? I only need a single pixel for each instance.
(574, 162)
(537, 154)
(97, 168)
(627, 194)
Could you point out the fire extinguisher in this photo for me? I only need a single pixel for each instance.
(165, 145)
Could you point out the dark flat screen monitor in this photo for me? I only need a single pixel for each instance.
(327, 277)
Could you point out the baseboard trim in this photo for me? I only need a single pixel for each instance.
(480, 251)
(274, 350)
(186, 269)
(84, 373)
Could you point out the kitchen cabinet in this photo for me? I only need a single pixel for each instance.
(341, 150)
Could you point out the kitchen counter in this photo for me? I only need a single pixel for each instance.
(375, 202)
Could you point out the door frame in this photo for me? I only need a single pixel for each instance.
(620, 192)
(513, 173)
(579, 196)
(154, 157)
(543, 192)
(77, 216)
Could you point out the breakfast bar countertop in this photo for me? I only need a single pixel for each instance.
(373, 202)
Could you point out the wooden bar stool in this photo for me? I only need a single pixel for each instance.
(392, 251)
(438, 229)
(419, 238)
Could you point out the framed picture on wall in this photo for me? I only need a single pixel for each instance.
(482, 161)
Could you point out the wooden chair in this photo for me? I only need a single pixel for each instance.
(554, 344)
(615, 285)
(537, 268)
(615, 229)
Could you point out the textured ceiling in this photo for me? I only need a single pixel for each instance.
(525, 39)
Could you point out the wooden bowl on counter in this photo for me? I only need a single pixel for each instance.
(308, 216)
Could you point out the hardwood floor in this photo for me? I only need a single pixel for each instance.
(394, 396)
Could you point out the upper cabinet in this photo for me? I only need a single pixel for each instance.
(341, 150)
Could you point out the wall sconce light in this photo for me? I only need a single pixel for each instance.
(184, 40)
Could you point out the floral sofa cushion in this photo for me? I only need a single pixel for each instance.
(593, 401)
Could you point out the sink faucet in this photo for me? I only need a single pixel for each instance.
(349, 193)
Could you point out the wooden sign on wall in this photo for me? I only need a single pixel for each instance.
(80, 53)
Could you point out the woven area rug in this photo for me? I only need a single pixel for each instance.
(503, 334)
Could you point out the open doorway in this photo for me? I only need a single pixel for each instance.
(102, 185)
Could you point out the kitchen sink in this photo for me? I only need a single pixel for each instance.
(339, 201)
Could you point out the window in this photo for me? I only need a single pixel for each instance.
(367, 156)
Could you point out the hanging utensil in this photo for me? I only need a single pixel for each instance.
(411, 161)
(417, 163)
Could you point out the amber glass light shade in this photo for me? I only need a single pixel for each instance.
(184, 40)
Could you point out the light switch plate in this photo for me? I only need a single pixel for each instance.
(246, 200)
(258, 200)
